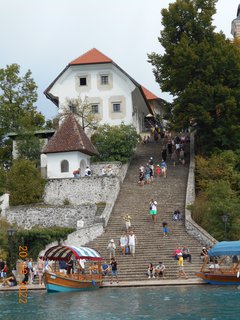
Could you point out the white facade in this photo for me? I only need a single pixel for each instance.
(119, 100)
(56, 168)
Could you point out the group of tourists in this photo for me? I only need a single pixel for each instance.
(77, 172)
(146, 174)
(157, 271)
(127, 244)
(107, 171)
(27, 270)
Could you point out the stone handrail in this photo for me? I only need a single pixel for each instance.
(191, 226)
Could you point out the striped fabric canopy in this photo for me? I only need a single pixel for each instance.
(62, 252)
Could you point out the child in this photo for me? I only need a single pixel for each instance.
(164, 168)
(158, 170)
(165, 230)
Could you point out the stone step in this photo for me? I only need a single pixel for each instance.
(134, 200)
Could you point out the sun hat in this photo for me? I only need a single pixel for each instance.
(180, 254)
(111, 240)
(155, 202)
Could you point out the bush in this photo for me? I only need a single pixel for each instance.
(25, 183)
(115, 143)
(210, 205)
(36, 239)
(2, 181)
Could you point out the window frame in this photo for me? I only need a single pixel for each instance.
(94, 105)
(104, 79)
(83, 85)
(64, 165)
(114, 109)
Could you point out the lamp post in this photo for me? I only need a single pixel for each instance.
(225, 220)
(11, 232)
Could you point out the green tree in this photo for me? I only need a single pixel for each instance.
(36, 239)
(201, 69)
(115, 143)
(2, 180)
(29, 147)
(17, 99)
(4, 225)
(218, 199)
(25, 183)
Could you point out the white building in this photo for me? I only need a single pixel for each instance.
(68, 150)
(115, 97)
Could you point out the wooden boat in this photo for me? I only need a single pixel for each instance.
(56, 281)
(218, 267)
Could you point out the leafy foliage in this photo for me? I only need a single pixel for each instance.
(25, 183)
(4, 225)
(18, 95)
(217, 181)
(37, 239)
(29, 147)
(2, 180)
(115, 143)
(83, 109)
(201, 69)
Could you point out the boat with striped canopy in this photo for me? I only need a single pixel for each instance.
(222, 265)
(81, 278)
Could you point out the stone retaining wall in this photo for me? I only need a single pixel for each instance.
(86, 189)
(69, 201)
(191, 226)
(45, 217)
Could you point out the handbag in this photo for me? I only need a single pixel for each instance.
(127, 250)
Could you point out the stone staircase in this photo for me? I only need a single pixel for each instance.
(170, 194)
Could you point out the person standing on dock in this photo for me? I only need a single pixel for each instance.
(181, 271)
(114, 269)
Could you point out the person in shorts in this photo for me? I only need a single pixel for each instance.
(114, 269)
(153, 210)
(165, 229)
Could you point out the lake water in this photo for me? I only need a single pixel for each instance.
(180, 302)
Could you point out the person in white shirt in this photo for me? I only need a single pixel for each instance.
(132, 241)
(111, 248)
(123, 242)
(87, 172)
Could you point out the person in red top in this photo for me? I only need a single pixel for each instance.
(176, 253)
(158, 170)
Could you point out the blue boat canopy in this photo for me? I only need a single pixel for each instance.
(63, 252)
(225, 248)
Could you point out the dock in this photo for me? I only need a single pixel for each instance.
(121, 284)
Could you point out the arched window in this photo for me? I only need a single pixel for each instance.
(64, 166)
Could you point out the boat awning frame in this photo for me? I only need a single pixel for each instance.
(225, 248)
(63, 252)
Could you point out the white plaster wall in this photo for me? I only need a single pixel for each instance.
(122, 86)
(74, 159)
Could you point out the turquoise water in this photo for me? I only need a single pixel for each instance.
(181, 302)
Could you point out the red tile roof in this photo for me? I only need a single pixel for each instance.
(91, 56)
(148, 94)
(70, 137)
